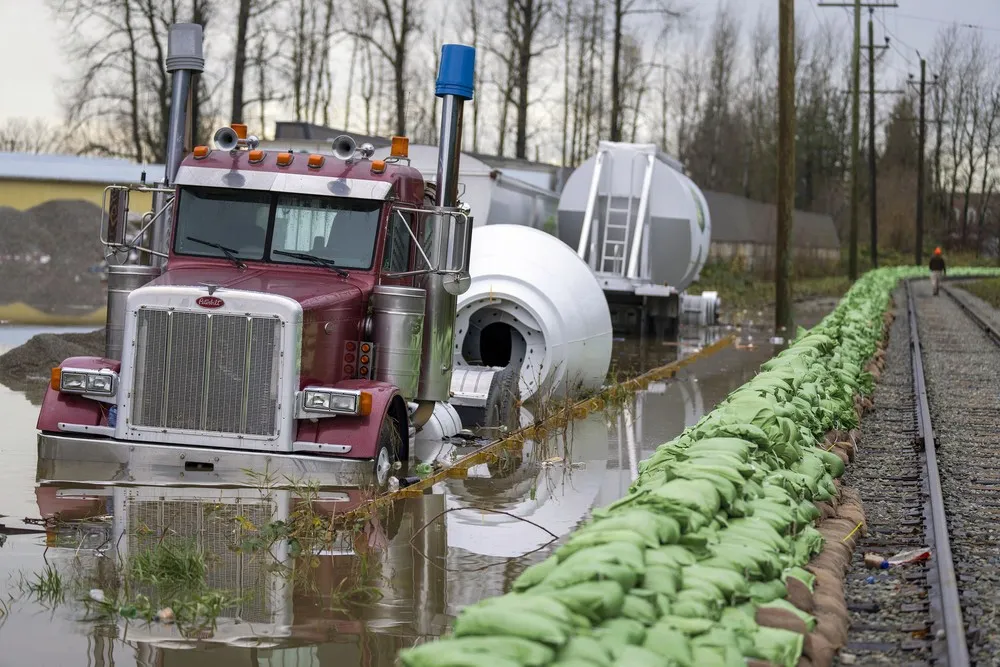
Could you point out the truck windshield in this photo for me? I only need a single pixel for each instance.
(253, 225)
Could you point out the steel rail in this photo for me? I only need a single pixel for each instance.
(951, 607)
(980, 321)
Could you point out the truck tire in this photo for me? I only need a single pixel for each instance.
(386, 452)
(503, 399)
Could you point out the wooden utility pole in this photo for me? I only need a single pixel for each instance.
(855, 122)
(872, 157)
(786, 164)
(919, 250)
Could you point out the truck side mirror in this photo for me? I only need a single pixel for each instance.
(455, 263)
(117, 215)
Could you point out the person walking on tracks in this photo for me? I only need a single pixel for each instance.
(937, 270)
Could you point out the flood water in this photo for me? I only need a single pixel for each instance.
(397, 580)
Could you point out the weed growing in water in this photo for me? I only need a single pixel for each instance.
(46, 588)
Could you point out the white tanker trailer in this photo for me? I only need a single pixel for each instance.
(644, 229)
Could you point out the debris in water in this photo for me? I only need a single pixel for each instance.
(165, 615)
(466, 434)
(423, 469)
(97, 595)
(777, 340)
(393, 484)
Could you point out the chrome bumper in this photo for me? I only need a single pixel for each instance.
(74, 459)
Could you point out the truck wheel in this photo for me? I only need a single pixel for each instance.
(386, 452)
(503, 398)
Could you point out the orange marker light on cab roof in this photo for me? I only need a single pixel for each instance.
(284, 159)
(316, 161)
(200, 152)
(400, 147)
(365, 405)
(256, 156)
(240, 129)
(378, 166)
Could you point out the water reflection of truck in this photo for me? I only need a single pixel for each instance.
(300, 309)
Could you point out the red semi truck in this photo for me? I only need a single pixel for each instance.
(297, 313)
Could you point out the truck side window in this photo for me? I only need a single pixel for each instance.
(396, 258)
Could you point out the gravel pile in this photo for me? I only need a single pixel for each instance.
(962, 366)
(26, 368)
(47, 256)
(887, 613)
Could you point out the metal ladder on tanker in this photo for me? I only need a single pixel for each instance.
(616, 236)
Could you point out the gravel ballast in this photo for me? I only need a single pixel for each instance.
(893, 621)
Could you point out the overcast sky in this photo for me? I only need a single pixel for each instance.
(31, 62)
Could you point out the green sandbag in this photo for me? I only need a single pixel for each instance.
(479, 650)
(805, 576)
(809, 619)
(621, 553)
(697, 603)
(593, 539)
(660, 579)
(691, 627)
(672, 556)
(638, 609)
(587, 649)
(834, 464)
(498, 621)
(534, 574)
(808, 543)
(726, 489)
(517, 602)
(739, 621)
(636, 656)
(778, 646)
(442, 654)
(763, 592)
(695, 494)
(722, 637)
(806, 513)
(669, 643)
(731, 584)
(736, 446)
(653, 528)
(569, 574)
(713, 656)
(618, 632)
(595, 600)
(575, 662)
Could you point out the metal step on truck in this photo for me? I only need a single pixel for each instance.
(297, 312)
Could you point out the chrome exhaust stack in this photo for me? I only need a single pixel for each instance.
(447, 230)
(184, 60)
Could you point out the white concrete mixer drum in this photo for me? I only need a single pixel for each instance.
(533, 300)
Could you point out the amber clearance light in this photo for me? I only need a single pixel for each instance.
(400, 147)
(200, 152)
(315, 161)
(283, 159)
(256, 156)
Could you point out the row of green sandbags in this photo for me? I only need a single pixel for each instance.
(675, 572)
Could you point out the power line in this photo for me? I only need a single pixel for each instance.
(971, 26)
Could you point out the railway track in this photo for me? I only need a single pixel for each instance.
(929, 475)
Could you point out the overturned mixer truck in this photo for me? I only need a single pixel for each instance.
(299, 311)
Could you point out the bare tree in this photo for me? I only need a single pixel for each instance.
(665, 11)
(397, 21)
(120, 97)
(23, 135)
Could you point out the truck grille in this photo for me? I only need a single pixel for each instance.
(206, 372)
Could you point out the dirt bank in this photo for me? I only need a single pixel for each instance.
(26, 368)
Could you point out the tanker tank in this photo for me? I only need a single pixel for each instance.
(644, 229)
(495, 198)
(532, 302)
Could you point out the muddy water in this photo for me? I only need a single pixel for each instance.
(399, 579)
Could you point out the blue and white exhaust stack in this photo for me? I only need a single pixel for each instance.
(447, 233)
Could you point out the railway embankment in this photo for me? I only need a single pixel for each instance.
(733, 545)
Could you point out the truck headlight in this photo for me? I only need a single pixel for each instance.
(336, 401)
(80, 381)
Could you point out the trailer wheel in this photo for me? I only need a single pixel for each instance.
(386, 452)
